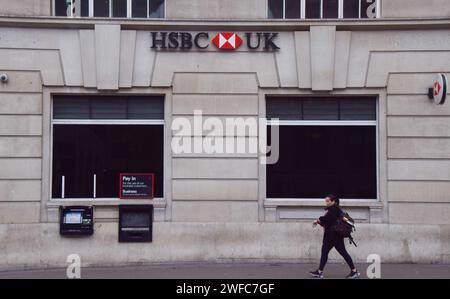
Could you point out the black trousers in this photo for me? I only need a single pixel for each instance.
(330, 240)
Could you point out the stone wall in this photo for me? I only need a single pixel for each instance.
(26, 8)
(20, 147)
(218, 242)
(218, 201)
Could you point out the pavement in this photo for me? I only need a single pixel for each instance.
(235, 271)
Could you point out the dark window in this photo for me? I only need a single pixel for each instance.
(316, 160)
(110, 8)
(330, 9)
(61, 8)
(292, 9)
(84, 8)
(368, 9)
(139, 8)
(156, 9)
(119, 9)
(104, 107)
(358, 109)
(319, 108)
(284, 109)
(81, 151)
(327, 9)
(101, 8)
(312, 9)
(351, 9)
(275, 9)
(329, 158)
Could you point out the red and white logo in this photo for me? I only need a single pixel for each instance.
(227, 41)
(437, 88)
(440, 88)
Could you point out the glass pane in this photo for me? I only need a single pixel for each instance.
(318, 109)
(62, 8)
(109, 108)
(139, 108)
(71, 160)
(321, 108)
(292, 9)
(71, 108)
(368, 9)
(312, 9)
(284, 109)
(81, 8)
(103, 107)
(84, 10)
(139, 8)
(156, 9)
(119, 8)
(358, 109)
(330, 9)
(317, 160)
(351, 9)
(101, 8)
(80, 151)
(275, 9)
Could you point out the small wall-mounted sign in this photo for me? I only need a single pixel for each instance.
(438, 92)
(136, 185)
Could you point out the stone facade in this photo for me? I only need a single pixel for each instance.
(214, 206)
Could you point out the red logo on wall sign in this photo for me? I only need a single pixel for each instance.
(227, 41)
(437, 89)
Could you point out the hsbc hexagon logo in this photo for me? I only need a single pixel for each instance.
(439, 90)
(227, 41)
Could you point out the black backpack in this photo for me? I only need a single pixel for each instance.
(345, 226)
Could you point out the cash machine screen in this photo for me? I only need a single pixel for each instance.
(73, 218)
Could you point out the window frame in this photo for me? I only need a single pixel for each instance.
(340, 11)
(91, 10)
(118, 122)
(374, 123)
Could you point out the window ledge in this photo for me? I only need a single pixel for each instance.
(157, 202)
(296, 202)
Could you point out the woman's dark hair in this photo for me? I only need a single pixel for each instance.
(333, 198)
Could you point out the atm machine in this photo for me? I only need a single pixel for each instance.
(76, 220)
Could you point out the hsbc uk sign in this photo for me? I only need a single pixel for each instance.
(222, 40)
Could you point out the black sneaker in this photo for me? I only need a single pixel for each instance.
(316, 274)
(353, 275)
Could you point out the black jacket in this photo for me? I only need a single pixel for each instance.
(330, 217)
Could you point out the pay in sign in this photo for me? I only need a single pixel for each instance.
(128, 178)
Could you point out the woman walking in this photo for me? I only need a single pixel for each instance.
(332, 239)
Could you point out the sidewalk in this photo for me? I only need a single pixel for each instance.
(236, 271)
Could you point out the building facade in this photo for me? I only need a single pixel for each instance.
(93, 89)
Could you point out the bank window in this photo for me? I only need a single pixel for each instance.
(323, 9)
(95, 138)
(110, 8)
(326, 145)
